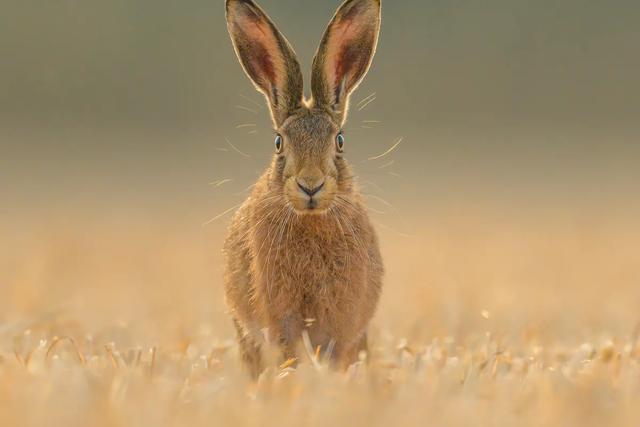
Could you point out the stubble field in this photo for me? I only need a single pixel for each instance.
(483, 321)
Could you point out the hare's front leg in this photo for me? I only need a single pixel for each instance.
(250, 350)
(288, 332)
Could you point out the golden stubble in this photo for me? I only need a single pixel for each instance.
(483, 320)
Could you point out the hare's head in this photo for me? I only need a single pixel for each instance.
(308, 167)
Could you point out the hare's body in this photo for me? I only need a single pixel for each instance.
(301, 253)
(288, 272)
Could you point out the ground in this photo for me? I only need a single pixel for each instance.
(483, 321)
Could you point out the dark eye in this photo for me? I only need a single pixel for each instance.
(340, 142)
(278, 144)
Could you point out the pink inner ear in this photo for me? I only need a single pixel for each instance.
(346, 58)
(262, 64)
(263, 43)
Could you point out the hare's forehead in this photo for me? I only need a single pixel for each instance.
(309, 129)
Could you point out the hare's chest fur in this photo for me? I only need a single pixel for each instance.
(313, 257)
(319, 269)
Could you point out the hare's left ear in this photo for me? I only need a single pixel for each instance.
(345, 54)
(266, 56)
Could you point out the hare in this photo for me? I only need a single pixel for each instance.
(301, 253)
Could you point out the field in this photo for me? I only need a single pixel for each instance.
(484, 321)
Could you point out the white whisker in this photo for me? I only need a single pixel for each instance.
(246, 98)
(393, 230)
(366, 98)
(386, 203)
(231, 209)
(236, 149)
(376, 211)
(246, 190)
(393, 147)
(242, 107)
(380, 199)
(221, 182)
(373, 184)
(366, 104)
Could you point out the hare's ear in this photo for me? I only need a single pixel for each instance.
(345, 54)
(266, 56)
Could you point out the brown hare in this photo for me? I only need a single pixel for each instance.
(301, 253)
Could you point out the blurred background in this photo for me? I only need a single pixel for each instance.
(511, 203)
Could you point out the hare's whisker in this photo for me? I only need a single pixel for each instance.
(393, 230)
(366, 104)
(386, 203)
(253, 227)
(376, 211)
(379, 199)
(246, 98)
(393, 147)
(231, 209)
(221, 182)
(373, 184)
(236, 149)
(242, 107)
(366, 98)
(267, 200)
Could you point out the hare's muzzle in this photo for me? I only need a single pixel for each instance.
(311, 188)
(310, 193)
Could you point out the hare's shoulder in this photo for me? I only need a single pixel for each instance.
(235, 242)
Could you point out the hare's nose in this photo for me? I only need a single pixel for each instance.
(310, 190)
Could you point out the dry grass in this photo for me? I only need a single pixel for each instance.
(482, 323)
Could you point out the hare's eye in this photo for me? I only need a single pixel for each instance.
(340, 142)
(278, 144)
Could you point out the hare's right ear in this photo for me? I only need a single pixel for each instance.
(266, 56)
(345, 54)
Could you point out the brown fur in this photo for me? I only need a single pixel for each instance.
(290, 260)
